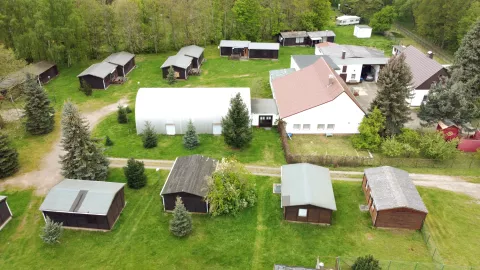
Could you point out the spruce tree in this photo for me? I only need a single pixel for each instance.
(52, 231)
(171, 75)
(108, 141)
(83, 160)
(38, 112)
(190, 139)
(135, 174)
(149, 137)
(181, 223)
(8, 158)
(122, 115)
(393, 91)
(366, 263)
(86, 88)
(236, 126)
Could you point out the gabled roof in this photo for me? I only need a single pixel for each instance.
(311, 87)
(392, 188)
(319, 34)
(399, 48)
(234, 43)
(304, 184)
(18, 77)
(2, 198)
(192, 51)
(304, 61)
(181, 61)
(294, 34)
(119, 58)
(100, 70)
(421, 66)
(81, 196)
(263, 46)
(277, 73)
(352, 51)
(264, 106)
(189, 175)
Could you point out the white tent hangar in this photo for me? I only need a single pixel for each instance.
(169, 109)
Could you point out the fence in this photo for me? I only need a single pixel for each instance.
(432, 247)
(345, 263)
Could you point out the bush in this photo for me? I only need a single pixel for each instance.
(181, 223)
(433, 145)
(108, 142)
(229, 189)
(122, 115)
(135, 174)
(190, 139)
(86, 88)
(128, 110)
(150, 139)
(171, 76)
(2, 122)
(392, 148)
(366, 263)
(409, 136)
(370, 128)
(52, 231)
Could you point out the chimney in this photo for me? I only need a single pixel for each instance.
(331, 79)
(344, 53)
(430, 54)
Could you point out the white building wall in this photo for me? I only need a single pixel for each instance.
(418, 95)
(255, 118)
(294, 64)
(342, 112)
(353, 70)
(362, 32)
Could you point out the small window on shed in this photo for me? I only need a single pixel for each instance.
(296, 126)
(299, 40)
(302, 212)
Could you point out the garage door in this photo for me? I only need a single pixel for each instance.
(170, 129)
(217, 129)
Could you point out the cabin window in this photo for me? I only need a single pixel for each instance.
(320, 126)
(302, 212)
(306, 126)
(296, 126)
(299, 39)
(331, 126)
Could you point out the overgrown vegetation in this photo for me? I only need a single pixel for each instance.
(370, 128)
(181, 222)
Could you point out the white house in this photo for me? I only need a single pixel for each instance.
(170, 109)
(347, 20)
(362, 31)
(315, 100)
(355, 63)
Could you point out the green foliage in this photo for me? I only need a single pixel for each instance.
(370, 128)
(190, 139)
(468, 20)
(367, 262)
(247, 15)
(171, 76)
(108, 141)
(364, 9)
(229, 190)
(2, 122)
(393, 91)
(236, 125)
(409, 136)
(122, 115)
(8, 158)
(393, 147)
(135, 174)
(83, 159)
(383, 19)
(128, 110)
(181, 223)
(38, 112)
(149, 137)
(433, 145)
(86, 88)
(52, 231)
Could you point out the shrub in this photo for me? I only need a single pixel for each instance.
(171, 76)
(366, 263)
(370, 128)
(181, 223)
(122, 115)
(128, 110)
(392, 148)
(229, 189)
(190, 139)
(433, 145)
(108, 142)
(135, 174)
(409, 136)
(150, 139)
(86, 88)
(52, 231)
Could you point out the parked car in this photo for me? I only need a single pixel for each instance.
(369, 78)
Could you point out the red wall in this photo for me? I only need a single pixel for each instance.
(449, 133)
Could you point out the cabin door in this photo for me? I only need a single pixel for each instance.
(265, 121)
(170, 129)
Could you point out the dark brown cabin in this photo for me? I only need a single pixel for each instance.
(5, 212)
(307, 194)
(195, 52)
(99, 76)
(392, 199)
(124, 61)
(42, 71)
(294, 38)
(259, 50)
(83, 204)
(320, 37)
(187, 180)
(234, 47)
(181, 64)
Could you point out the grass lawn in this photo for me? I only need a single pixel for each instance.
(265, 148)
(255, 239)
(322, 145)
(344, 35)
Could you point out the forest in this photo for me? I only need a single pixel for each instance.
(70, 31)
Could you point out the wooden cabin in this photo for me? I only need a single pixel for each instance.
(316, 37)
(124, 61)
(392, 199)
(195, 52)
(99, 76)
(42, 71)
(234, 47)
(5, 212)
(261, 50)
(293, 38)
(181, 65)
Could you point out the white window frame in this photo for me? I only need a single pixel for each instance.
(330, 128)
(302, 212)
(304, 127)
(297, 126)
(299, 40)
(321, 127)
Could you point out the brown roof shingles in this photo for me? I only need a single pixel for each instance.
(421, 66)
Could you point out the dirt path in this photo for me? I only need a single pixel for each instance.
(49, 173)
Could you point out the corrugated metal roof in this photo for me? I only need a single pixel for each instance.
(234, 43)
(181, 61)
(421, 66)
(119, 58)
(263, 46)
(81, 196)
(100, 70)
(363, 26)
(192, 50)
(294, 34)
(189, 174)
(352, 51)
(18, 77)
(305, 183)
(264, 105)
(347, 17)
(304, 61)
(360, 61)
(277, 73)
(320, 34)
(392, 188)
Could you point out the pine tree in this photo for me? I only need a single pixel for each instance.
(39, 114)
(83, 159)
(135, 174)
(86, 88)
(171, 75)
(393, 83)
(108, 141)
(149, 137)
(236, 126)
(190, 139)
(52, 231)
(128, 110)
(122, 115)
(8, 158)
(181, 223)
(366, 263)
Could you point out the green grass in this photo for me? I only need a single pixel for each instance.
(322, 145)
(255, 239)
(344, 35)
(265, 148)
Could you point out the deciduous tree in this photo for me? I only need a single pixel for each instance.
(383, 19)
(370, 128)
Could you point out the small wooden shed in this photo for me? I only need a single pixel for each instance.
(84, 204)
(124, 61)
(449, 129)
(262, 50)
(307, 193)
(187, 180)
(42, 71)
(293, 38)
(194, 52)
(234, 47)
(99, 76)
(181, 65)
(5, 212)
(392, 199)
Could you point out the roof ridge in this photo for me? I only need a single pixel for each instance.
(399, 197)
